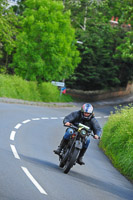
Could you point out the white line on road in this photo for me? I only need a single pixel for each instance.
(44, 118)
(14, 151)
(54, 118)
(18, 126)
(12, 136)
(33, 180)
(35, 119)
(98, 117)
(26, 121)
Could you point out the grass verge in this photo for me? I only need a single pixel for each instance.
(17, 88)
(117, 140)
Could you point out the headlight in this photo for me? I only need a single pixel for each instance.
(83, 133)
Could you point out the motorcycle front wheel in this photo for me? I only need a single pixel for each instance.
(63, 160)
(70, 162)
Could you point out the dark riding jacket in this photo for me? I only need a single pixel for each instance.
(77, 117)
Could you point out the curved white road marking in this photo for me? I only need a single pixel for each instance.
(26, 121)
(18, 126)
(54, 118)
(14, 151)
(34, 181)
(12, 136)
(44, 118)
(35, 119)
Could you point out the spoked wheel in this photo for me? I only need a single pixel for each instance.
(70, 162)
(63, 160)
(61, 164)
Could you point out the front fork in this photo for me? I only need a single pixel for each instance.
(79, 144)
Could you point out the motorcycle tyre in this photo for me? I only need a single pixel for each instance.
(72, 160)
(63, 161)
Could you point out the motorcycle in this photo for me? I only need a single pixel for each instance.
(70, 152)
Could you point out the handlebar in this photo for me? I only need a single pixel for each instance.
(72, 126)
(82, 126)
(78, 126)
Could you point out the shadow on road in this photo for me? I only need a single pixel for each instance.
(42, 163)
(120, 191)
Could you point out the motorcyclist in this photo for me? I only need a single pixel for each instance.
(86, 117)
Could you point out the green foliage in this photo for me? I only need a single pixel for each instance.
(49, 93)
(106, 51)
(42, 41)
(20, 7)
(125, 49)
(123, 56)
(46, 43)
(16, 87)
(8, 32)
(97, 69)
(117, 140)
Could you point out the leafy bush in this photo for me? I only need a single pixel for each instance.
(49, 92)
(16, 87)
(117, 140)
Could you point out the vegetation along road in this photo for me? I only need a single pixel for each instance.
(29, 168)
(86, 44)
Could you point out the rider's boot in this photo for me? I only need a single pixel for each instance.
(80, 157)
(61, 146)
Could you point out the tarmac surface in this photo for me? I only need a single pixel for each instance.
(112, 101)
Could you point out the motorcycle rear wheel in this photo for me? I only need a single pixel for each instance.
(70, 162)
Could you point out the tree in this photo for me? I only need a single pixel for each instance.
(46, 47)
(97, 69)
(124, 57)
(103, 48)
(8, 32)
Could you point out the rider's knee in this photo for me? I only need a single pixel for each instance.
(68, 133)
(87, 143)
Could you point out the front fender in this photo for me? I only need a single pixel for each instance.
(78, 144)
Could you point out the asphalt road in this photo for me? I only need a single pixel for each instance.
(29, 168)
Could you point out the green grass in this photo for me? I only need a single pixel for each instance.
(117, 140)
(17, 88)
